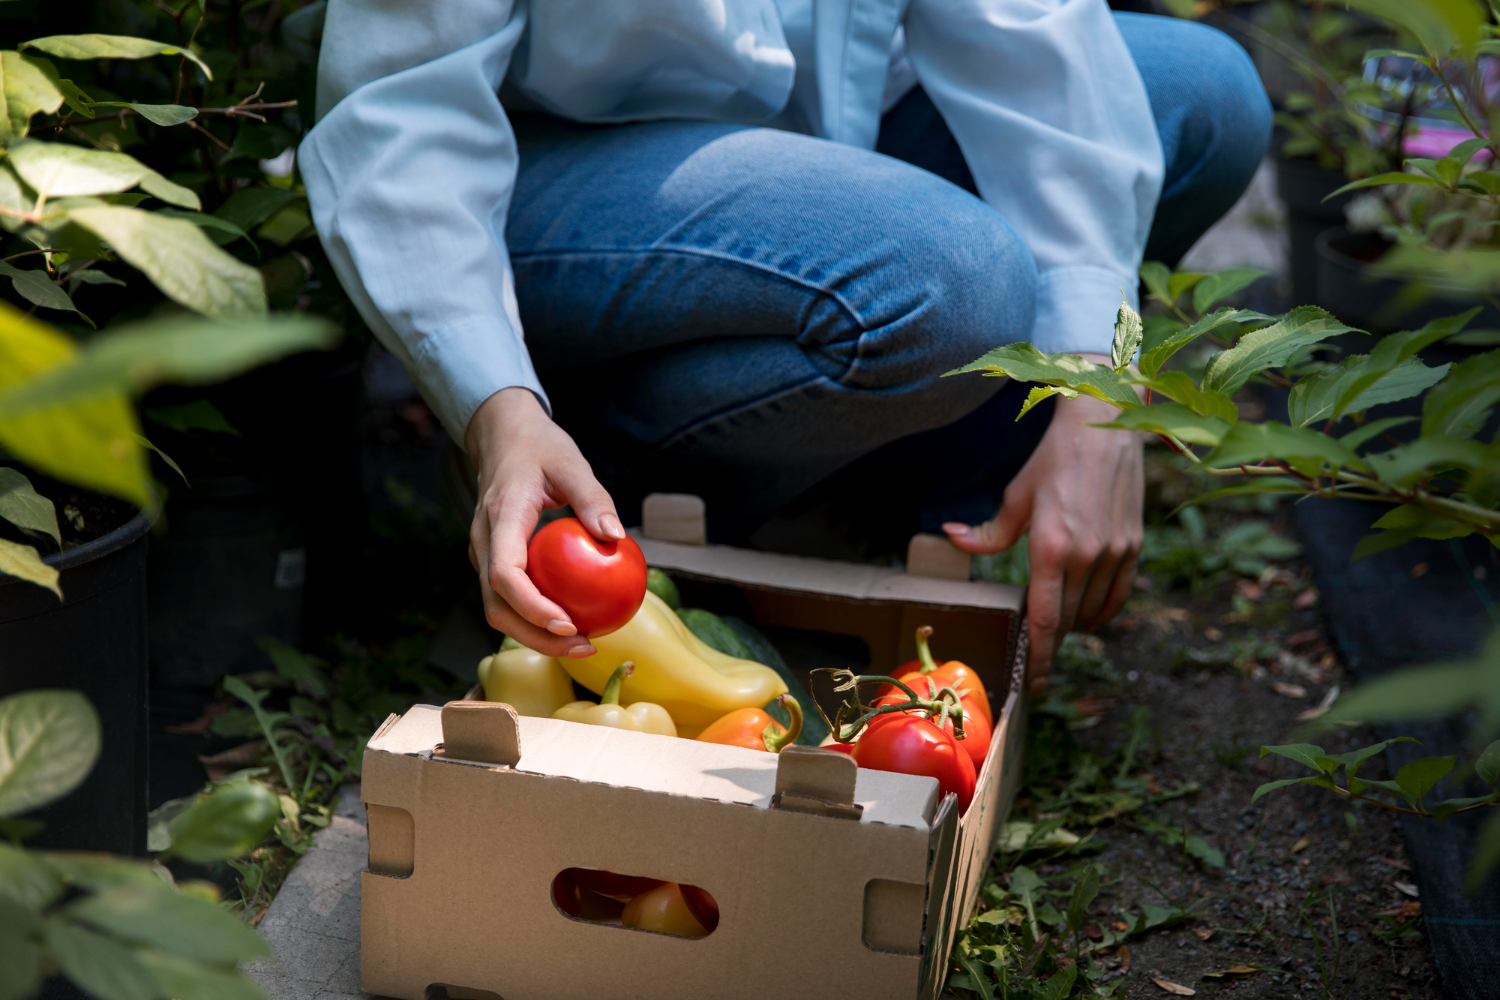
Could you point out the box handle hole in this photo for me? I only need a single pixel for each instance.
(596, 896)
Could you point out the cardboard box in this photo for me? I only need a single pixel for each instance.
(832, 881)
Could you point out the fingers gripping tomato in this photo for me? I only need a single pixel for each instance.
(599, 584)
(911, 744)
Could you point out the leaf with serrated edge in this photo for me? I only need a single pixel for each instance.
(1128, 333)
(180, 260)
(23, 506)
(1269, 347)
(1179, 386)
(95, 46)
(1024, 363)
(1152, 360)
(1248, 443)
(22, 562)
(49, 741)
(1374, 428)
(1174, 419)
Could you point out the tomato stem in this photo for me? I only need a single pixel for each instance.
(945, 702)
(924, 651)
(611, 695)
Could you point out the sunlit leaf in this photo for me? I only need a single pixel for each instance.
(1025, 363)
(180, 260)
(1156, 356)
(228, 822)
(23, 506)
(96, 46)
(23, 562)
(170, 192)
(26, 90)
(1269, 347)
(207, 222)
(49, 741)
(1179, 386)
(1439, 25)
(1173, 419)
(159, 114)
(1128, 334)
(59, 170)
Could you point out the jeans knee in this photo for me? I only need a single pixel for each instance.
(1225, 102)
(965, 282)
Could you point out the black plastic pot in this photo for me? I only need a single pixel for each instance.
(1346, 288)
(1303, 186)
(94, 642)
(229, 569)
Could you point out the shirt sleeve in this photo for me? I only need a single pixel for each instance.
(409, 174)
(1049, 109)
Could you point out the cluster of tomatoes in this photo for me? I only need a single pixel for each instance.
(923, 739)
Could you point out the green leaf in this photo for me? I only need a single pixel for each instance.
(1354, 758)
(187, 980)
(1204, 851)
(1128, 334)
(180, 260)
(1260, 484)
(1419, 777)
(1357, 383)
(1302, 753)
(228, 822)
(1085, 890)
(1305, 449)
(1040, 394)
(1174, 419)
(165, 919)
(1422, 523)
(1156, 356)
(94, 276)
(1269, 347)
(1446, 808)
(1486, 857)
(1059, 985)
(23, 506)
(1321, 780)
(1374, 428)
(103, 968)
(1214, 288)
(310, 679)
(1155, 275)
(185, 350)
(110, 47)
(252, 206)
(90, 443)
(207, 222)
(1181, 282)
(145, 442)
(172, 193)
(20, 958)
(159, 114)
(1439, 25)
(49, 741)
(1488, 765)
(1405, 464)
(1393, 177)
(199, 415)
(24, 879)
(1432, 691)
(58, 170)
(1025, 363)
(1180, 386)
(35, 287)
(25, 90)
(1459, 405)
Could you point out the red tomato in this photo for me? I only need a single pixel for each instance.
(910, 744)
(599, 584)
(977, 730)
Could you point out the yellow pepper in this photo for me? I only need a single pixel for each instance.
(641, 717)
(529, 682)
(675, 669)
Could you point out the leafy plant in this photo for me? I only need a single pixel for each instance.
(1189, 552)
(1444, 484)
(119, 929)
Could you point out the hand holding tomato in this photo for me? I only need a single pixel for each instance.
(599, 584)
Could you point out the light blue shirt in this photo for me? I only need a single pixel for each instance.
(411, 166)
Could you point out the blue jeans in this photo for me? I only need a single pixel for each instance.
(755, 316)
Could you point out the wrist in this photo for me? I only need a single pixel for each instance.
(500, 418)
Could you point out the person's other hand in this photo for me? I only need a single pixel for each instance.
(1081, 497)
(527, 463)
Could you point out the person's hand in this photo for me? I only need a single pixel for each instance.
(527, 463)
(1081, 496)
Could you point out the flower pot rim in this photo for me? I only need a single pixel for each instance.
(101, 546)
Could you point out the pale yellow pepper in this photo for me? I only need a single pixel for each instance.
(675, 669)
(532, 683)
(641, 717)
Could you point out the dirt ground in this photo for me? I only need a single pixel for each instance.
(1316, 898)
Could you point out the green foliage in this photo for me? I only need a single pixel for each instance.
(1188, 552)
(119, 929)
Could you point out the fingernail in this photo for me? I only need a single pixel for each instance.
(610, 525)
(954, 528)
(579, 652)
(558, 626)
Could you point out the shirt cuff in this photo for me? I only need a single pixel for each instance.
(466, 363)
(1076, 308)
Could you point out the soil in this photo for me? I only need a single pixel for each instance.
(1209, 720)
(93, 515)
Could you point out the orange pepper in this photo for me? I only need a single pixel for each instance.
(754, 728)
(663, 909)
(955, 674)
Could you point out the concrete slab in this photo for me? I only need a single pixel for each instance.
(313, 924)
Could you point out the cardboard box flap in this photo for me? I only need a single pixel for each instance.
(622, 759)
(849, 581)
